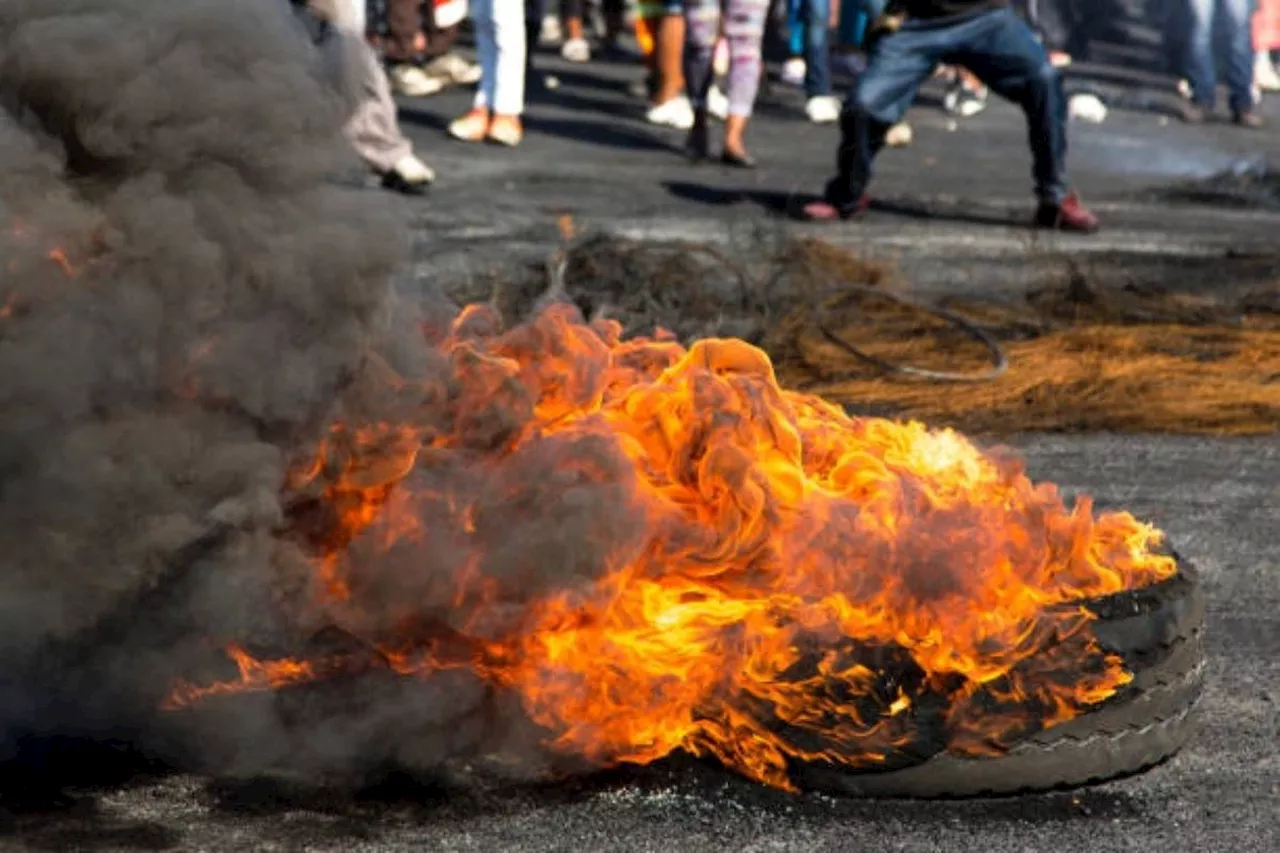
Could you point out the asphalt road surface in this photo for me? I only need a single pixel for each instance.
(956, 203)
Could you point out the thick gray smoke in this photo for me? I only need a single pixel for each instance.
(184, 294)
(189, 302)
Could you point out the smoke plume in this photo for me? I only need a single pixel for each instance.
(185, 293)
(191, 303)
(224, 442)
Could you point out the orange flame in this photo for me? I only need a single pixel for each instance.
(803, 585)
(59, 257)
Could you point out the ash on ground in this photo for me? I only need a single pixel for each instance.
(1251, 183)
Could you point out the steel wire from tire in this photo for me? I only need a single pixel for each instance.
(1000, 361)
(557, 267)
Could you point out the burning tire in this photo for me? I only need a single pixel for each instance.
(1157, 631)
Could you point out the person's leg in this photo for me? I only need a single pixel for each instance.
(744, 31)
(440, 40)
(509, 61)
(484, 26)
(1197, 52)
(669, 52)
(1266, 37)
(571, 15)
(1053, 20)
(1004, 53)
(404, 28)
(1236, 19)
(702, 28)
(534, 12)
(898, 63)
(575, 47)
(473, 126)
(373, 128)
(614, 13)
(817, 48)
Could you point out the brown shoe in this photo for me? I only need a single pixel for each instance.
(1192, 113)
(1068, 215)
(1247, 118)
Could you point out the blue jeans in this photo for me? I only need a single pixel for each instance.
(1198, 64)
(810, 36)
(999, 48)
(855, 17)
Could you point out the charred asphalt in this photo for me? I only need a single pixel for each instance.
(952, 219)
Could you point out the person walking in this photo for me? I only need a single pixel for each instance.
(1198, 60)
(373, 128)
(987, 38)
(1060, 25)
(809, 24)
(418, 47)
(499, 102)
(660, 30)
(743, 28)
(1266, 43)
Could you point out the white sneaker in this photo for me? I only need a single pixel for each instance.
(793, 71)
(823, 109)
(1265, 75)
(576, 50)
(963, 102)
(677, 113)
(899, 136)
(1086, 106)
(717, 103)
(550, 33)
(412, 81)
(409, 176)
(454, 69)
(414, 170)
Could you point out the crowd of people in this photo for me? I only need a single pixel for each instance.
(704, 63)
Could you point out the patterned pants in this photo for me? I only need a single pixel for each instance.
(744, 30)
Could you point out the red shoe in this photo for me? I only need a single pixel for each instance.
(825, 211)
(1068, 215)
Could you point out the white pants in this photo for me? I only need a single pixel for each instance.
(500, 41)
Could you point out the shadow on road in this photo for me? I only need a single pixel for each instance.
(789, 203)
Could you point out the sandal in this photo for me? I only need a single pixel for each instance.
(471, 127)
(506, 130)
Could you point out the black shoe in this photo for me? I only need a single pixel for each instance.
(697, 146)
(1192, 113)
(398, 183)
(738, 160)
(1247, 118)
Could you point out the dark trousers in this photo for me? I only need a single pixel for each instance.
(612, 11)
(999, 48)
(1060, 23)
(1235, 18)
(406, 19)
